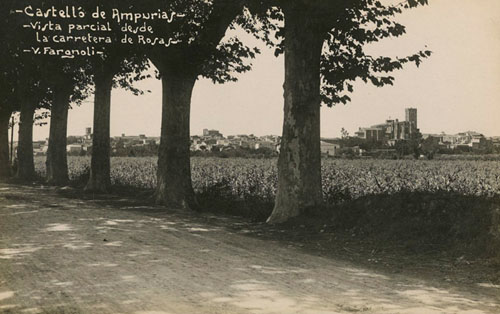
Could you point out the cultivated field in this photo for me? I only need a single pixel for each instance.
(342, 179)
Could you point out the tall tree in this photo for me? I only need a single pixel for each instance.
(104, 73)
(114, 70)
(8, 102)
(315, 72)
(26, 164)
(118, 66)
(200, 52)
(7, 107)
(69, 83)
(28, 88)
(37, 97)
(56, 162)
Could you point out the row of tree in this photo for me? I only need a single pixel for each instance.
(322, 41)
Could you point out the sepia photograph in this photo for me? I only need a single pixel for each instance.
(249, 156)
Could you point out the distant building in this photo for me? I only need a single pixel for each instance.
(392, 130)
(213, 139)
(135, 140)
(470, 139)
(211, 133)
(372, 134)
(329, 149)
(222, 142)
(40, 147)
(76, 148)
(411, 116)
(495, 141)
(265, 144)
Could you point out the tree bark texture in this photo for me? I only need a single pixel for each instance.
(174, 188)
(299, 163)
(5, 169)
(26, 164)
(57, 162)
(100, 168)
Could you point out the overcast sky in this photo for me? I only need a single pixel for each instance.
(457, 89)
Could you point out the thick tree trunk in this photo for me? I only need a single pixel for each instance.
(100, 168)
(299, 164)
(174, 187)
(26, 164)
(4, 143)
(57, 163)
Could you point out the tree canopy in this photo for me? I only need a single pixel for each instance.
(348, 28)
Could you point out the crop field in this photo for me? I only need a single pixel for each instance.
(342, 179)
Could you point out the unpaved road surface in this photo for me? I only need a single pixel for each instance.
(71, 255)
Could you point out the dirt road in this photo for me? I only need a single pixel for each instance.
(69, 255)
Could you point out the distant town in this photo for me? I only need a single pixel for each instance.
(383, 137)
(397, 136)
(393, 131)
(209, 141)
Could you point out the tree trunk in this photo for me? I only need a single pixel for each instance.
(57, 163)
(26, 164)
(100, 168)
(4, 143)
(299, 163)
(174, 186)
(13, 124)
